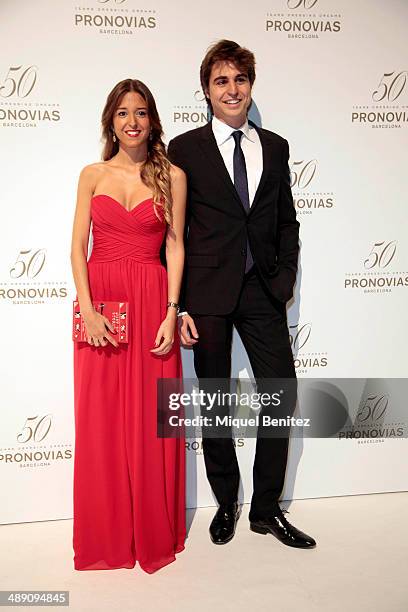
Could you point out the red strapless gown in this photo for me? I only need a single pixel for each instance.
(129, 485)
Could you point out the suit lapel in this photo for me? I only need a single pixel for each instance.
(266, 162)
(212, 153)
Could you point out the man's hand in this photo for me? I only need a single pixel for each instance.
(188, 331)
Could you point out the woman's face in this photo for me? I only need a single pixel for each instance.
(131, 122)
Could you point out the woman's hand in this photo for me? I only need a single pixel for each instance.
(96, 329)
(165, 336)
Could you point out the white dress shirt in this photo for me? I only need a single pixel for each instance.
(251, 148)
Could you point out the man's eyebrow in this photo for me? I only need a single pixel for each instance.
(221, 76)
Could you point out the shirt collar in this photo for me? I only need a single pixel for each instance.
(222, 131)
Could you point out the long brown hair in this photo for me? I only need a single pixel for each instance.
(155, 172)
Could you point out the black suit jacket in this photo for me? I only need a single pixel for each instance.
(217, 224)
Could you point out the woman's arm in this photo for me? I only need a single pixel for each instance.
(175, 233)
(80, 238)
(175, 259)
(95, 323)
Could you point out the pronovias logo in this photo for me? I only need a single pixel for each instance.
(371, 423)
(388, 106)
(196, 446)
(28, 283)
(33, 448)
(195, 113)
(377, 275)
(305, 358)
(303, 180)
(114, 17)
(18, 105)
(303, 19)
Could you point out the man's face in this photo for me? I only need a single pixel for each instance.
(229, 91)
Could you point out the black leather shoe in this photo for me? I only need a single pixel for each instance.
(222, 528)
(278, 526)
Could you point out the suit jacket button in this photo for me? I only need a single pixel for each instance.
(243, 251)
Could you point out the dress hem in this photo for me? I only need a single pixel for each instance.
(130, 565)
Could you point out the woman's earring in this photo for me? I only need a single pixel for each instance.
(114, 137)
(151, 135)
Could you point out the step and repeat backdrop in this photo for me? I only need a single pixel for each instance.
(332, 79)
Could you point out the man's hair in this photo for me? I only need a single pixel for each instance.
(227, 51)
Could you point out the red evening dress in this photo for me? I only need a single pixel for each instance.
(129, 485)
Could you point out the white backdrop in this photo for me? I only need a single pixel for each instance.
(331, 78)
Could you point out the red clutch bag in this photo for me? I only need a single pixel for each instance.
(115, 312)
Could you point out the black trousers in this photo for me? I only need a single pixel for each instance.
(262, 325)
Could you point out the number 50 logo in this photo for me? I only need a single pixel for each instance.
(35, 429)
(390, 87)
(302, 173)
(299, 337)
(373, 408)
(381, 255)
(306, 4)
(19, 81)
(28, 264)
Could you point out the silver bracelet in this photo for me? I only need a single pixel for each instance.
(173, 305)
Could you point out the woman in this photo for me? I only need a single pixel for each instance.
(129, 490)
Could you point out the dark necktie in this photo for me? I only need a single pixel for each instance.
(241, 185)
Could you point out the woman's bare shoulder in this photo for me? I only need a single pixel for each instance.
(93, 173)
(94, 170)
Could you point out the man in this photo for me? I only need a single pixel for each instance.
(241, 262)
